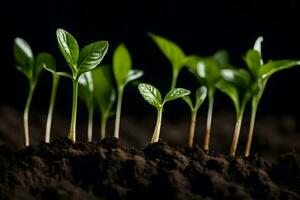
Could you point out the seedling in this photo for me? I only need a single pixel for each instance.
(87, 60)
(31, 68)
(173, 53)
(86, 93)
(153, 97)
(51, 64)
(261, 73)
(123, 74)
(104, 94)
(208, 71)
(201, 94)
(236, 83)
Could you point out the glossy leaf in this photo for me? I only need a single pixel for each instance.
(133, 74)
(209, 71)
(121, 64)
(176, 94)
(151, 94)
(23, 56)
(238, 77)
(253, 61)
(231, 91)
(201, 94)
(257, 46)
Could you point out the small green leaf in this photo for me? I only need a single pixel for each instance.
(257, 45)
(189, 102)
(68, 47)
(121, 64)
(45, 59)
(171, 50)
(23, 56)
(201, 94)
(222, 57)
(86, 89)
(133, 74)
(176, 94)
(239, 77)
(150, 94)
(231, 91)
(253, 61)
(209, 71)
(91, 56)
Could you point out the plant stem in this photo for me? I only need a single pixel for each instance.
(90, 124)
(26, 113)
(174, 79)
(192, 128)
(209, 119)
(251, 129)
(236, 136)
(72, 134)
(103, 126)
(55, 81)
(156, 133)
(118, 112)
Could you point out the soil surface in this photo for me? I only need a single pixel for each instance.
(107, 170)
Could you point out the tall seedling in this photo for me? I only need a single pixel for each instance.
(123, 74)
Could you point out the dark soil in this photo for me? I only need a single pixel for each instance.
(63, 170)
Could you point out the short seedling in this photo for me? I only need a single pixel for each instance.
(87, 60)
(153, 97)
(200, 96)
(86, 93)
(104, 94)
(236, 83)
(173, 53)
(31, 68)
(261, 73)
(123, 74)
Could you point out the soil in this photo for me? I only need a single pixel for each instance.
(108, 170)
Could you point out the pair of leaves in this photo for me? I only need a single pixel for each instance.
(200, 96)
(152, 95)
(80, 61)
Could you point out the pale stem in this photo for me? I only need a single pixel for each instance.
(103, 126)
(90, 124)
(174, 79)
(251, 130)
(156, 132)
(51, 107)
(72, 134)
(118, 113)
(26, 113)
(209, 120)
(192, 129)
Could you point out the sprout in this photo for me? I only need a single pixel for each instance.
(236, 83)
(201, 94)
(31, 68)
(50, 64)
(153, 97)
(104, 94)
(86, 93)
(261, 73)
(123, 73)
(207, 71)
(174, 54)
(87, 60)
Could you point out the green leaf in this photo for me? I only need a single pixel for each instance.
(257, 45)
(222, 57)
(171, 50)
(189, 102)
(91, 56)
(231, 91)
(23, 56)
(253, 61)
(104, 91)
(86, 89)
(272, 67)
(43, 59)
(150, 94)
(121, 64)
(239, 77)
(176, 94)
(68, 47)
(209, 71)
(201, 94)
(133, 74)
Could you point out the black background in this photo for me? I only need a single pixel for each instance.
(199, 27)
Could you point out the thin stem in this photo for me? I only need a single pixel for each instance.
(72, 134)
(156, 132)
(26, 113)
(174, 79)
(251, 130)
(51, 107)
(209, 119)
(90, 124)
(103, 126)
(236, 135)
(118, 113)
(192, 128)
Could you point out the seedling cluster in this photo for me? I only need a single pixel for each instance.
(100, 86)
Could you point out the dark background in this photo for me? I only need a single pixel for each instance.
(199, 27)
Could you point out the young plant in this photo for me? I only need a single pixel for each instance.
(208, 71)
(201, 94)
(261, 72)
(104, 94)
(153, 97)
(31, 68)
(87, 60)
(123, 74)
(86, 93)
(51, 64)
(173, 53)
(236, 83)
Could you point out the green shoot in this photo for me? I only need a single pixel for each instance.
(31, 68)
(86, 93)
(201, 94)
(153, 97)
(236, 83)
(173, 53)
(261, 73)
(104, 94)
(123, 74)
(79, 62)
